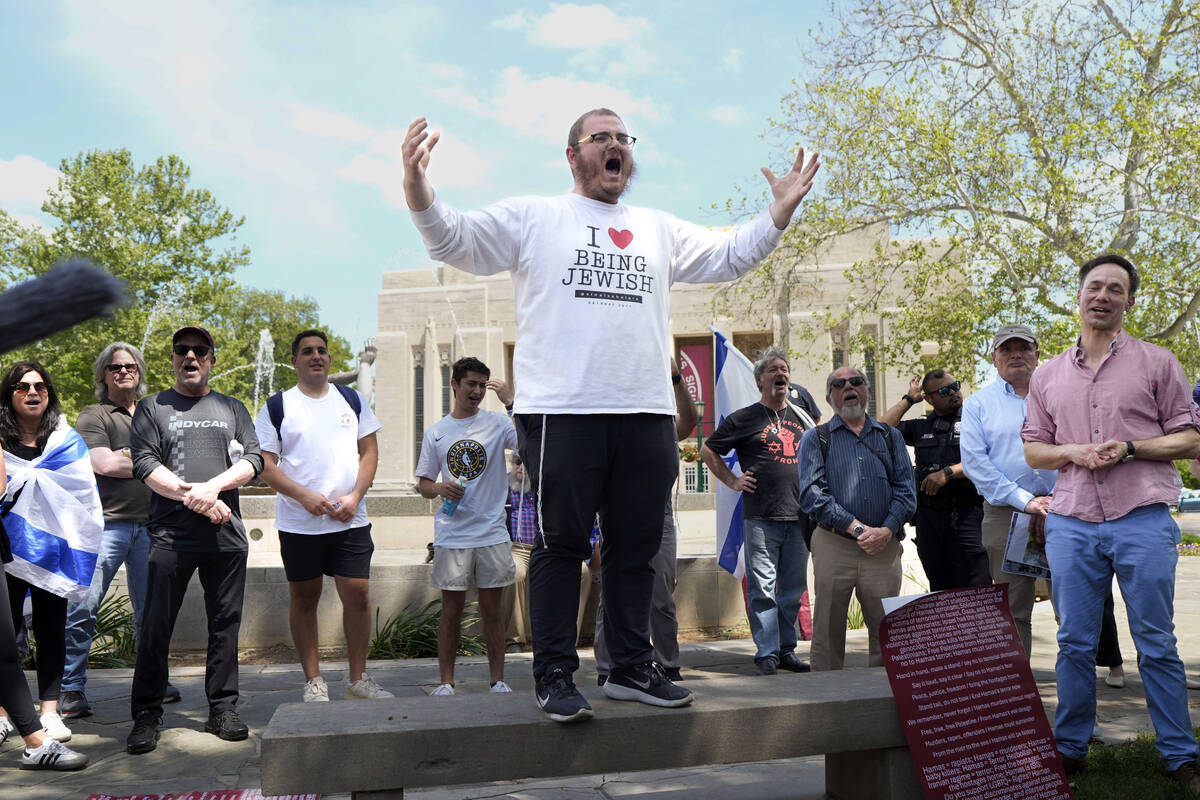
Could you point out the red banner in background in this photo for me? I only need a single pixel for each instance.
(695, 364)
(971, 711)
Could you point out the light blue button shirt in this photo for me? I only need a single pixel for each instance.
(993, 455)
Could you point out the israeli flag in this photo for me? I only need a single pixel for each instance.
(735, 388)
(55, 523)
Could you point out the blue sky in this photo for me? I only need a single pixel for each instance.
(292, 114)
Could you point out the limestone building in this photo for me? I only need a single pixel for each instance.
(428, 318)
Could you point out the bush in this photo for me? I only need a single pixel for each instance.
(413, 633)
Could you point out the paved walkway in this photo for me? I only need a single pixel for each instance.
(188, 759)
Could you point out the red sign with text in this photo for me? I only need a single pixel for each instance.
(695, 365)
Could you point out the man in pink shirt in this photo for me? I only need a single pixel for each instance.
(1111, 413)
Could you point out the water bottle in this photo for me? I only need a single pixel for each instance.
(450, 506)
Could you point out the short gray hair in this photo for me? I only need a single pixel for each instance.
(102, 360)
(829, 380)
(765, 357)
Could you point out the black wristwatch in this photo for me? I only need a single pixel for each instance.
(949, 472)
(911, 402)
(1129, 451)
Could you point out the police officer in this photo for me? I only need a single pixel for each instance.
(949, 512)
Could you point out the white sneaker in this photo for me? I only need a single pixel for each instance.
(365, 688)
(500, 687)
(6, 729)
(53, 755)
(445, 690)
(316, 691)
(54, 726)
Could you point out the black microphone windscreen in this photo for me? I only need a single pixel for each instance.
(69, 293)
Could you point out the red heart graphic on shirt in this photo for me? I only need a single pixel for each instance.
(620, 238)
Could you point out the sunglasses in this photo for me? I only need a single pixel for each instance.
(201, 350)
(21, 387)
(838, 383)
(115, 368)
(947, 390)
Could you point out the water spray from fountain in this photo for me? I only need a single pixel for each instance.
(264, 365)
(168, 300)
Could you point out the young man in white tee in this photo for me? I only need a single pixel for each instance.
(320, 456)
(471, 544)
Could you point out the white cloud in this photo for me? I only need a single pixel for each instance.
(513, 22)
(453, 164)
(589, 27)
(726, 115)
(732, 60)
(24, 182)
(329, 124)
(544, 108)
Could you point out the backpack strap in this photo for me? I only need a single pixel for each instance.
(823, 440)
(352, 398)
(275, 412)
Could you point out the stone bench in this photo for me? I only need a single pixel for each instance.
(379, 748)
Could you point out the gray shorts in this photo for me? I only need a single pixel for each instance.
(456, 570)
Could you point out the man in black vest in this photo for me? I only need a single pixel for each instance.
(949, 513)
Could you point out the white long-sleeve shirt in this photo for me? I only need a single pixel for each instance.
(592, 282)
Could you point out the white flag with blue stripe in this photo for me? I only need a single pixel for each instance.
(735, 388)
(55, 524)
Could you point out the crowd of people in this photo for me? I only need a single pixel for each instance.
(1082, 445)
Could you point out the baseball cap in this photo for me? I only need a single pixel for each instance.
(1007, 332)
(196, 329)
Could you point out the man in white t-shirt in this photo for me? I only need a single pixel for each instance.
(320, 454)
(471, 547)
(591, 280)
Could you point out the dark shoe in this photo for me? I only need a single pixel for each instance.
(766, 665)
(144, 736)
(1189, 775)
(791, 663)
(1073, 766)
(512, 647)
(557, 696)
(601, 680)
(73, 705)
(226, 725)
(172, 695)
(646, 683)
(672, 673)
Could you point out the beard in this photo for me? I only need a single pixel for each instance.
(589, 176)
(854, 410)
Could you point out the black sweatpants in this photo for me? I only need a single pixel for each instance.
(49, 628)
(950, 545)
(1108, 650)
(223, 577)
(14, 691)
(621, 466)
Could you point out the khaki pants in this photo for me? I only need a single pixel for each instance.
(996, 521)
(840, 567)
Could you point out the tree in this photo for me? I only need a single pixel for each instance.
(1007, 142)
(175, 247)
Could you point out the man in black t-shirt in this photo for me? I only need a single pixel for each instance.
(766, 436)
(949, 516)
(193, 447)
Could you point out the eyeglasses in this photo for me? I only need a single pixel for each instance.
(857, 380)
(947, 390)
(115, 368)
(603, 137)
(201, 350)
(21, 387)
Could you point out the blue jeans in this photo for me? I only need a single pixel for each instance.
(125, 543)
(1140, 549)
(776, 577)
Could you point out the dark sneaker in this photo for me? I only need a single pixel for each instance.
(646, 684)
(1188, 775)
(1072, 766)
(601, 680)
(53, 754)
(558, 697)
(791, 663)
(144, 736)
(672, 673)
(172, 695)
(73, 705)
(766, 665)
(227, 725)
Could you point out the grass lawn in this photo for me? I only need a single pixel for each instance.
(1128, 771)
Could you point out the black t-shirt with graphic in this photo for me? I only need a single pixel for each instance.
(190, 436)
(766, 442)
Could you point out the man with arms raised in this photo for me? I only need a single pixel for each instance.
(993, 457)
(320, 455)
(594, 409)
(856, 483)
(1111, 414)
(193, 447)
